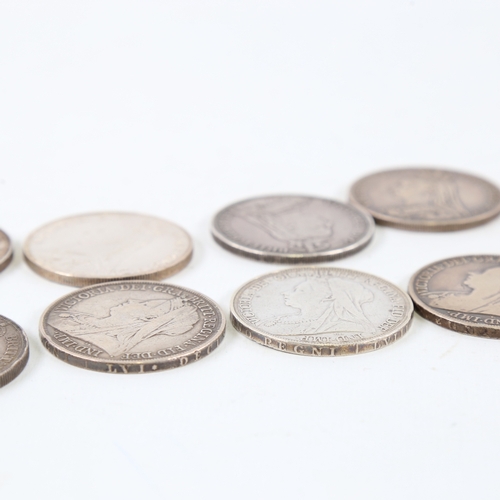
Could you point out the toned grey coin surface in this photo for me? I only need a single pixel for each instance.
(292, 229)
(14, 350)
(461, 294)
(5, 251)
(99, 247)
(427, 199)
(132, 327)
(321, 311)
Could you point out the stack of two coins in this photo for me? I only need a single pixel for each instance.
(122, 322)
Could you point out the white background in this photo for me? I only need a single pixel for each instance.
(177, 108)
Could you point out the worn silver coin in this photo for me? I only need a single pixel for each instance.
(461, 294)
(292, 229)
(427, 199)
(6, 252)
(99, 247)
(14, 350)
(132, 327)
(321, 311)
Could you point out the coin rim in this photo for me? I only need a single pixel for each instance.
(430, 314)
(7, 258)
(279, 258)
(79, 281)
(165, 364)
(17, 366)
(367, 345)
(428, 226)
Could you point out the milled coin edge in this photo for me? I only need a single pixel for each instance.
(321, 349)
(133, 366)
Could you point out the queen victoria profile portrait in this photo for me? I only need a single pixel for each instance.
(129, 323)
(482, 297)
(324, 306)
(428, 197)
(291, 220)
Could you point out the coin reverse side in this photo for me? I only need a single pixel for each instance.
(321, 311)
(99, 247)
(5, 251)
(14, 350)
(427, 199)
(461, 294)
(292, 229)
(132, 327)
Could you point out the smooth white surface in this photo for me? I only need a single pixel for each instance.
(178, 108)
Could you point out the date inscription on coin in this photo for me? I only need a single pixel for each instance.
(132, 327)
(321, 311)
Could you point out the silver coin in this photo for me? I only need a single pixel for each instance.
(292, 229)
(99, 247)
(132, 327)
(5, 251)
(14, 350)
(460, 293)
(321, 311)
(427, 199)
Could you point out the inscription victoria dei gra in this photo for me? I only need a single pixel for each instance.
(132, 327)
(321, 311)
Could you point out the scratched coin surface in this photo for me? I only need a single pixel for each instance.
(427, 199)
(460, 293)
(14, 350)
(99, 247)
(132, 327)
(292, 229)
(321, 311)
(5, 251)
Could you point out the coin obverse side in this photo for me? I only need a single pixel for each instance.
(100, 247)
(292, 229)
(461, 294)
(14, 350)
(427, 199)
(6, 252)
(321, 311)
(132, 327)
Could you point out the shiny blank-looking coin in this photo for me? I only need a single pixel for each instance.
(425, 199)
(14, 350)
(321, 311)
(132, 327)
(292, 229)
(5, 251)
(99, 247)
(460, 293)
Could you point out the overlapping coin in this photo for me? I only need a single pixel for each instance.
(427, 199)
(460, 293)
(5, 251)
(321, 311)
(99, 247)
(292, 229)
(14, 350)
(132, 327)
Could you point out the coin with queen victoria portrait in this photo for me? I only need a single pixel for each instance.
(132, 327)
(321, 311)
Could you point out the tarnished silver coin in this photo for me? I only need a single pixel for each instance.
(460, 293)
(427, 199)
(132, 327)
(5, 251)
(292, 229)
(321, 311)
(14, 350)
(99, 247)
